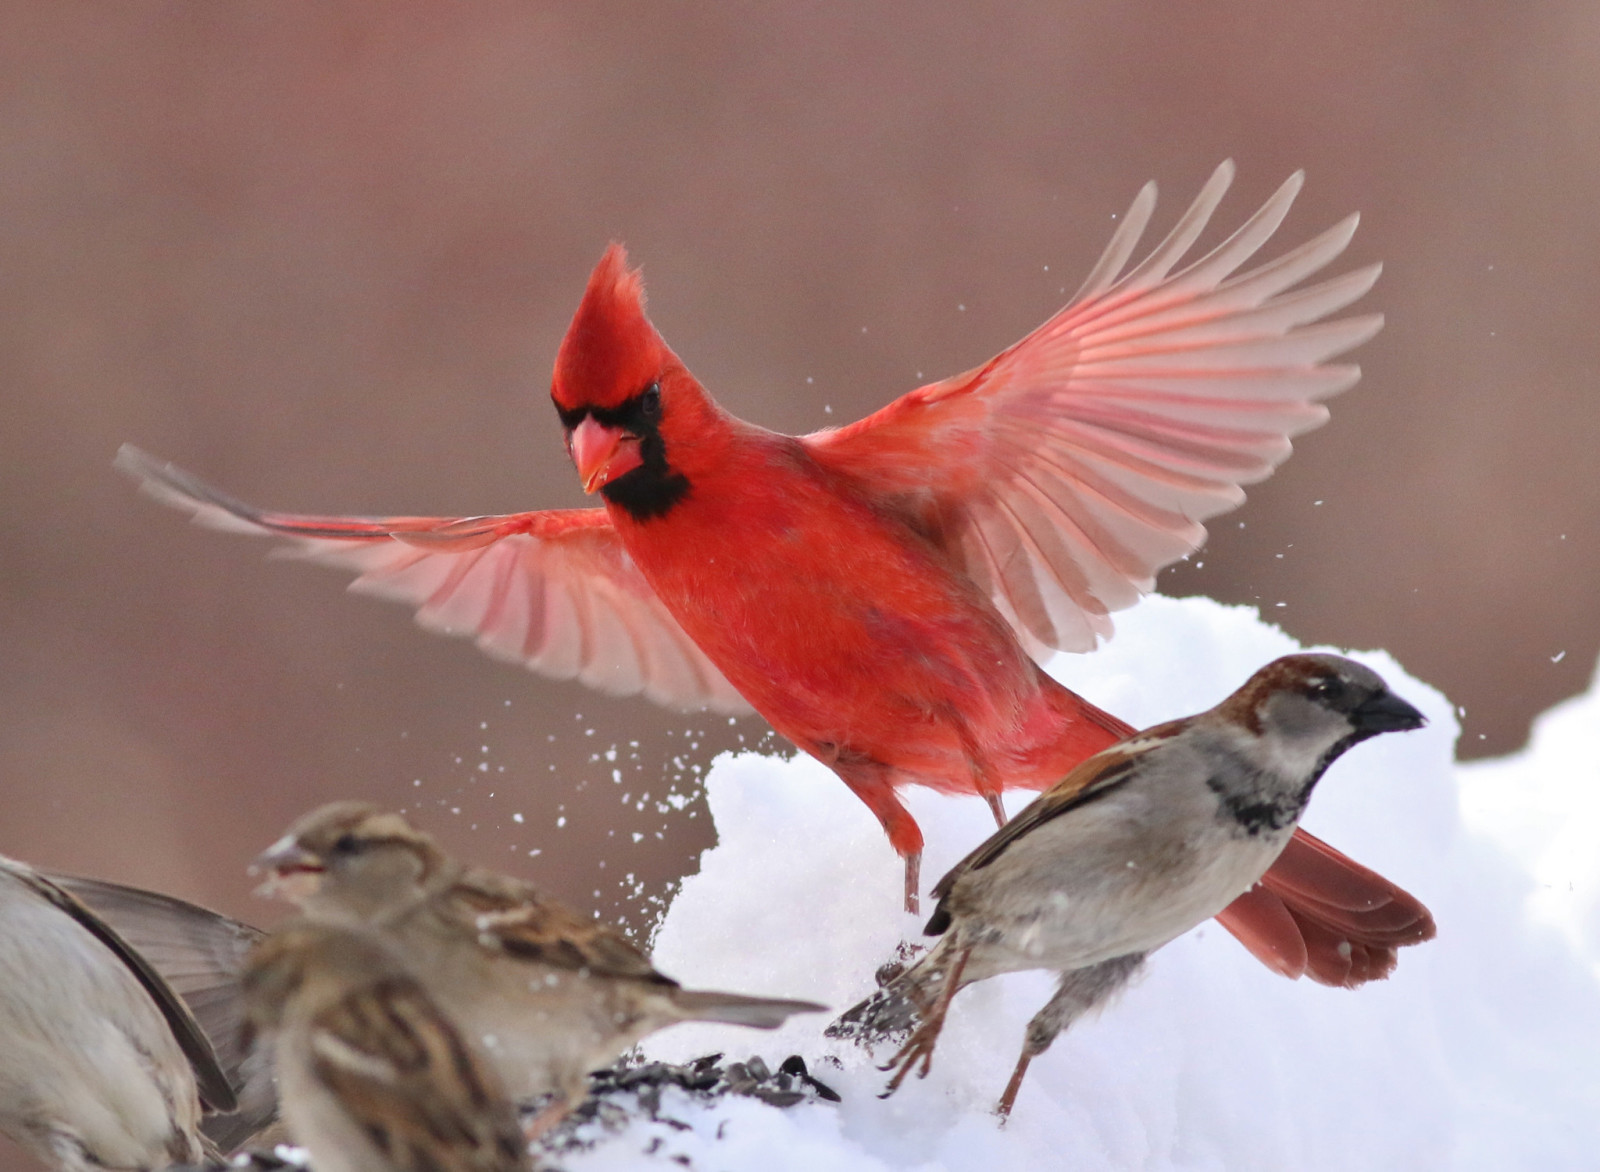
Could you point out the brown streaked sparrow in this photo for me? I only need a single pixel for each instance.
(372, 1074)
(101, 1063)
(548, 994)
(1134, 847)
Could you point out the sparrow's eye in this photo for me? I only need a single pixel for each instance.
(650, 401)
(1322, 688)
(346, 844)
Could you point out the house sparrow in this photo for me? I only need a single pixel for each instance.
(1136, 846)
(200, 955)
(373, 1075)
(549, 994)
(884, 592)
(101, 1063)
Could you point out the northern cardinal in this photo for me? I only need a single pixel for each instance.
(1129, 851)
(881, 592)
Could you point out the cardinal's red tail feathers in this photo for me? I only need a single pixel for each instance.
(1320, 914)
(1261, 922)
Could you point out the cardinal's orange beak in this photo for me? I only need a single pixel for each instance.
(602, 453)
(593, 444)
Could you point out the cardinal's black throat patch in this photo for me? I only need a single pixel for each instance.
(654, 487)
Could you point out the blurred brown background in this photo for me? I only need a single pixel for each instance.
(323, 254)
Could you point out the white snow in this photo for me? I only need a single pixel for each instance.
(1482, 1051)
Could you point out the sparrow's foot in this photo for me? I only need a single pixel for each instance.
(918, 1049)
(547, 1117)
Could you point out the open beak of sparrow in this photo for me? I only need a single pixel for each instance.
(291, 871)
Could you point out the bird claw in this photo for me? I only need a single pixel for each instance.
(918, 1047)
(926, 1036)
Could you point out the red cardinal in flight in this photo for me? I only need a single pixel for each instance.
(884, 592)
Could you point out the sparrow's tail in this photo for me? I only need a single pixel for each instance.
(762, 1013)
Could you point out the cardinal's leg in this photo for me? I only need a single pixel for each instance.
(1079, 991)
(984, 779)
(869, 781)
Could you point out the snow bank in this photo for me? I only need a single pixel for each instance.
(1483, 1051)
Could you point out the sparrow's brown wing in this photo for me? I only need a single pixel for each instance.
(406, 1077)
(520, 921)
(215, 1091)
(1094, 778)
(200, 954)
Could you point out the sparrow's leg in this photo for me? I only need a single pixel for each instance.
(923, 1039)
(1080, 991)
(552, 1113)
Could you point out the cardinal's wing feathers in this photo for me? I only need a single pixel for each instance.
(1064, 473)
(553, 590)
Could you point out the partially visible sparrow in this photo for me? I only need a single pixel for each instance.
(1133, 848)
(200, 955)
(101, 1064)
(373, 1076)
(549, 994)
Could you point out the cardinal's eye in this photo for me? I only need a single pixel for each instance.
(650, 401)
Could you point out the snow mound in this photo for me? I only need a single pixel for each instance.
(1483, 1050)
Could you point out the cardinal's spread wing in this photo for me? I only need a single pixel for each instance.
(1064, 473)
(553, 590)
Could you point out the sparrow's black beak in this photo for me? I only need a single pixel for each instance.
(1385, 712)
